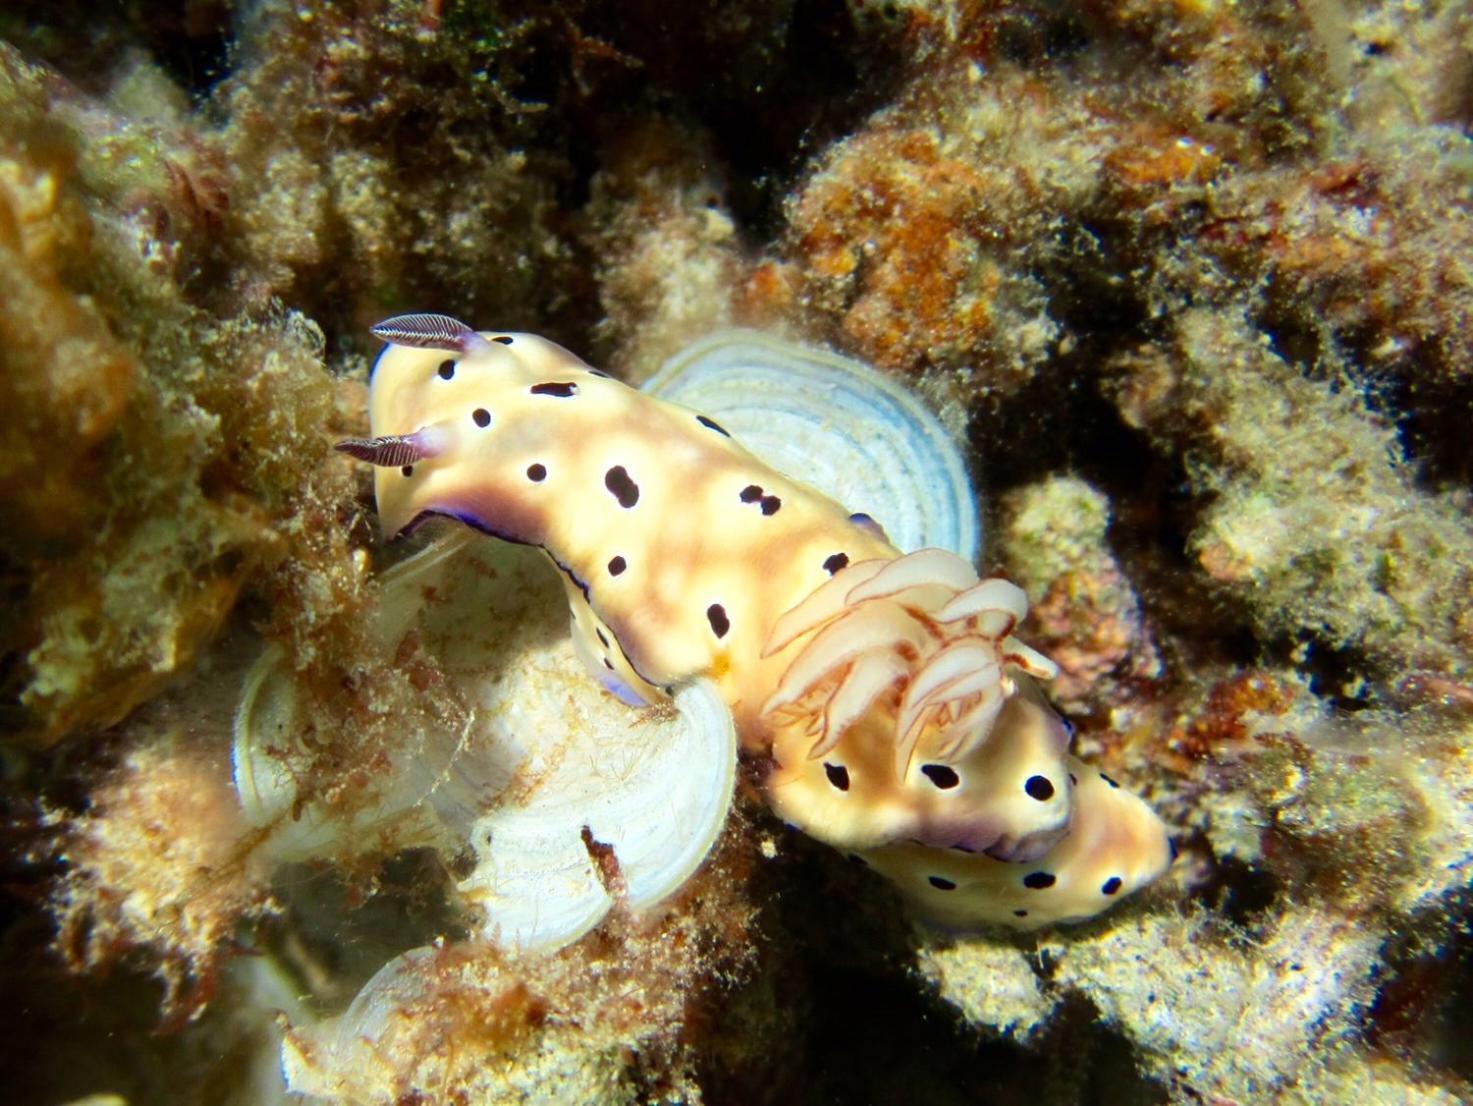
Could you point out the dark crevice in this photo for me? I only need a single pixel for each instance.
(1240, 893)
(828, 974)
(1423, 1012)
(1433, 430)
(768, 84)
(190, 40)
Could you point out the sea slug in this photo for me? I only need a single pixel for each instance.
(886, 690)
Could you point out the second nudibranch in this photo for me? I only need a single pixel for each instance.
(888, 690)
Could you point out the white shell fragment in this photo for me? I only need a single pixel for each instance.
(837, 425)
(343, 1054)
(543, 758)
(655, 793)
(268, 738)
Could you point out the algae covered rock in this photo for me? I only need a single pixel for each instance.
(1189, 279)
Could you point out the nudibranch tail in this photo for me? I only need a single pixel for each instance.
(1115, 845)
(428, 331)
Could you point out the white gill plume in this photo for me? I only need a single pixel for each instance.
(922, 629)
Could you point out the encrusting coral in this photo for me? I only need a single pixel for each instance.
(670, 258)
(162, 863)
(180, 420)
(1315, 521)
(1090, 621)
(325, 210)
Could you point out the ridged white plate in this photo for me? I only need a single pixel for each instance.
(542, 753)
(837, 425)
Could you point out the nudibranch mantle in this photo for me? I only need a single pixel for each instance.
(887, 689)
(530, 444)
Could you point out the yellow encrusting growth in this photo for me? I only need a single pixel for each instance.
(888, 691)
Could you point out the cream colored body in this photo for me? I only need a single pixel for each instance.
(888, 691)
(689, 540)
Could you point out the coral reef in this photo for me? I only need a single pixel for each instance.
(915, 257)
(1315, 520)
(669, 256)
(160, 862)
(325, 210)
(1189, 279)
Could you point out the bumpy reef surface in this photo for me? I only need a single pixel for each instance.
(1193, 281)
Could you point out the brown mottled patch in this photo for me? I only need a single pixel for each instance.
(1221, 726)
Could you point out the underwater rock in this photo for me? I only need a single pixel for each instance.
(193, 440)
(161, 863)
(1313, 520)
(411, 1024)
(1213, 1016)
(596, 1022)
(324, 209)
(1088, 618)
(992, 985)
(670, 259)
(903, 232)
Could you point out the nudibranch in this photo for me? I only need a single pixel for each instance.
(886, 688)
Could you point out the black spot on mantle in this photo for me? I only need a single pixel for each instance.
(625, 490)
(942, 775)
(1040, 788)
